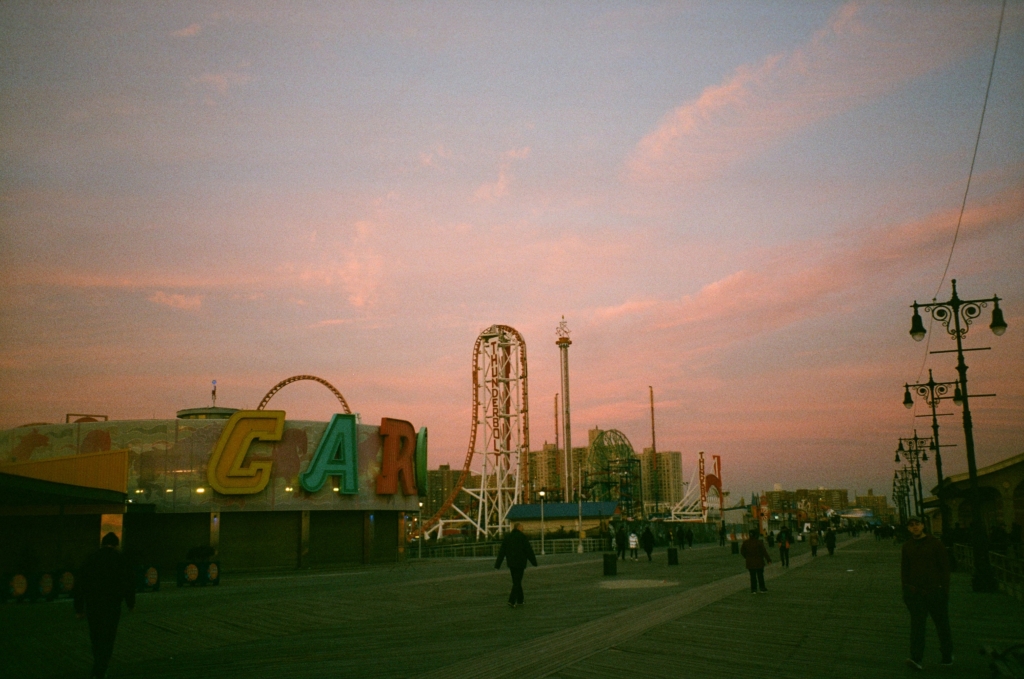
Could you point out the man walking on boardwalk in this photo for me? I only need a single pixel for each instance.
(103, 583)
(756, 556)
(924, 572)
(830, 541)
(620, 542)
(516, 548)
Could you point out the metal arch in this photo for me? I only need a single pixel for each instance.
(522, 462)
(283, 383)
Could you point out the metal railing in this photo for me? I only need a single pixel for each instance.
(482, 549)
(1008, 571)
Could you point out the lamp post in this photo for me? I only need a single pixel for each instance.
(916, 451)
(933, 392)
(419, 526)
(959, 313)
(542, 494)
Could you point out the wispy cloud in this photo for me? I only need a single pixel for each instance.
(492, 191)
(330, 322)
(222, 82)
(177, 301)
(866, 51)
(189, 31)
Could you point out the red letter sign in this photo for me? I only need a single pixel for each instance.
(399, 463)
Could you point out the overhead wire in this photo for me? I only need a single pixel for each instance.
(967, 190)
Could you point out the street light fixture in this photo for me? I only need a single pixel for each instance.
(934, 392)
(956, 315)
(915, 453)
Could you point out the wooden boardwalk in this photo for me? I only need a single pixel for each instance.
(824, 617)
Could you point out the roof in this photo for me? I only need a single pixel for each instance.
(21, 491)
(563, 510)
(991, 469)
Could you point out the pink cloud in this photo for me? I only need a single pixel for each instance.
(222, 82)
(176, 301)
(189, 31)
(865, 52)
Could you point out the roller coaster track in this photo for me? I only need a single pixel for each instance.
(283, 383)
(523, 466)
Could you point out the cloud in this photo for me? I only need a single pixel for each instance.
(866, 51)
(222, 82)
(431, 158)
(185, 302)
(189, 31)
(330, 322)
(492, 191)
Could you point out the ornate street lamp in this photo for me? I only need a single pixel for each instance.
(916, 452)
(933, 392)
(542, 494)
(956, 315)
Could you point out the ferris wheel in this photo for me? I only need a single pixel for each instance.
(613, 472)
(496, 468)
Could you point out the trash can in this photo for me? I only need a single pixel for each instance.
(611, 564)
(735, 547)
(673, 556)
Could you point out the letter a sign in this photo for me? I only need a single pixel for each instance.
(335, 456)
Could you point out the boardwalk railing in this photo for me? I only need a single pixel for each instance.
(1008, 571)
(480, 549)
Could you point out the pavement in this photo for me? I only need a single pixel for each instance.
(838, 616)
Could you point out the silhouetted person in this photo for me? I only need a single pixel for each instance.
(830, 541)
(647, 542)
(814, 541)
(785, 541)
(689, 537)
(104, 581)
(924, 572)
(620, 542)
(721, 535)
(771, 539)
(516, 548)
(756, 556)
(681, 537)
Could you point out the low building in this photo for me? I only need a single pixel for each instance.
(1001, 488)
(255, 489)
(562, 518)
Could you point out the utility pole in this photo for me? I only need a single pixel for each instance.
(654, 458)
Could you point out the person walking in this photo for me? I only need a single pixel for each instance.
(924, 574)
(830, 541)
(689, 538)
(647, 542)
(516, 548)
(634, 543)
(771, 539)
(620, 542)
(721, 535)
(756, 556)
(681, 537)
(785, 540)
(813, 539)
(104, 581)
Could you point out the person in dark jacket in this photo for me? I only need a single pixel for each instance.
(830, 541)
(647, 542)
(756, 556)
(516, 548)
(681, 537)
(785, 541)
(620, 542)
(689, 538)
(924, 573)
(104, 581)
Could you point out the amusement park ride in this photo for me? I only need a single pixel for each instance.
(499, 442)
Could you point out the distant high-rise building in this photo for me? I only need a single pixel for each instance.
(878, 505)
(662, 487)
(440, 483)
(545, 473)
(820, 500)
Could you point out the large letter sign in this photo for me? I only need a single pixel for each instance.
(399, 460)
(225, 471)
(335, 456)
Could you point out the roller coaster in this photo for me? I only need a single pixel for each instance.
(498, 458)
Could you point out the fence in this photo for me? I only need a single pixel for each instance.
(1007, 570)
(481, 549)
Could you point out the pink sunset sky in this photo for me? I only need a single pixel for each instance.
(733, 202)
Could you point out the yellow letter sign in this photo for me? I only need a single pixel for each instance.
(225, 471)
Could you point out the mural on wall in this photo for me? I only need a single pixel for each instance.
(168, 463)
